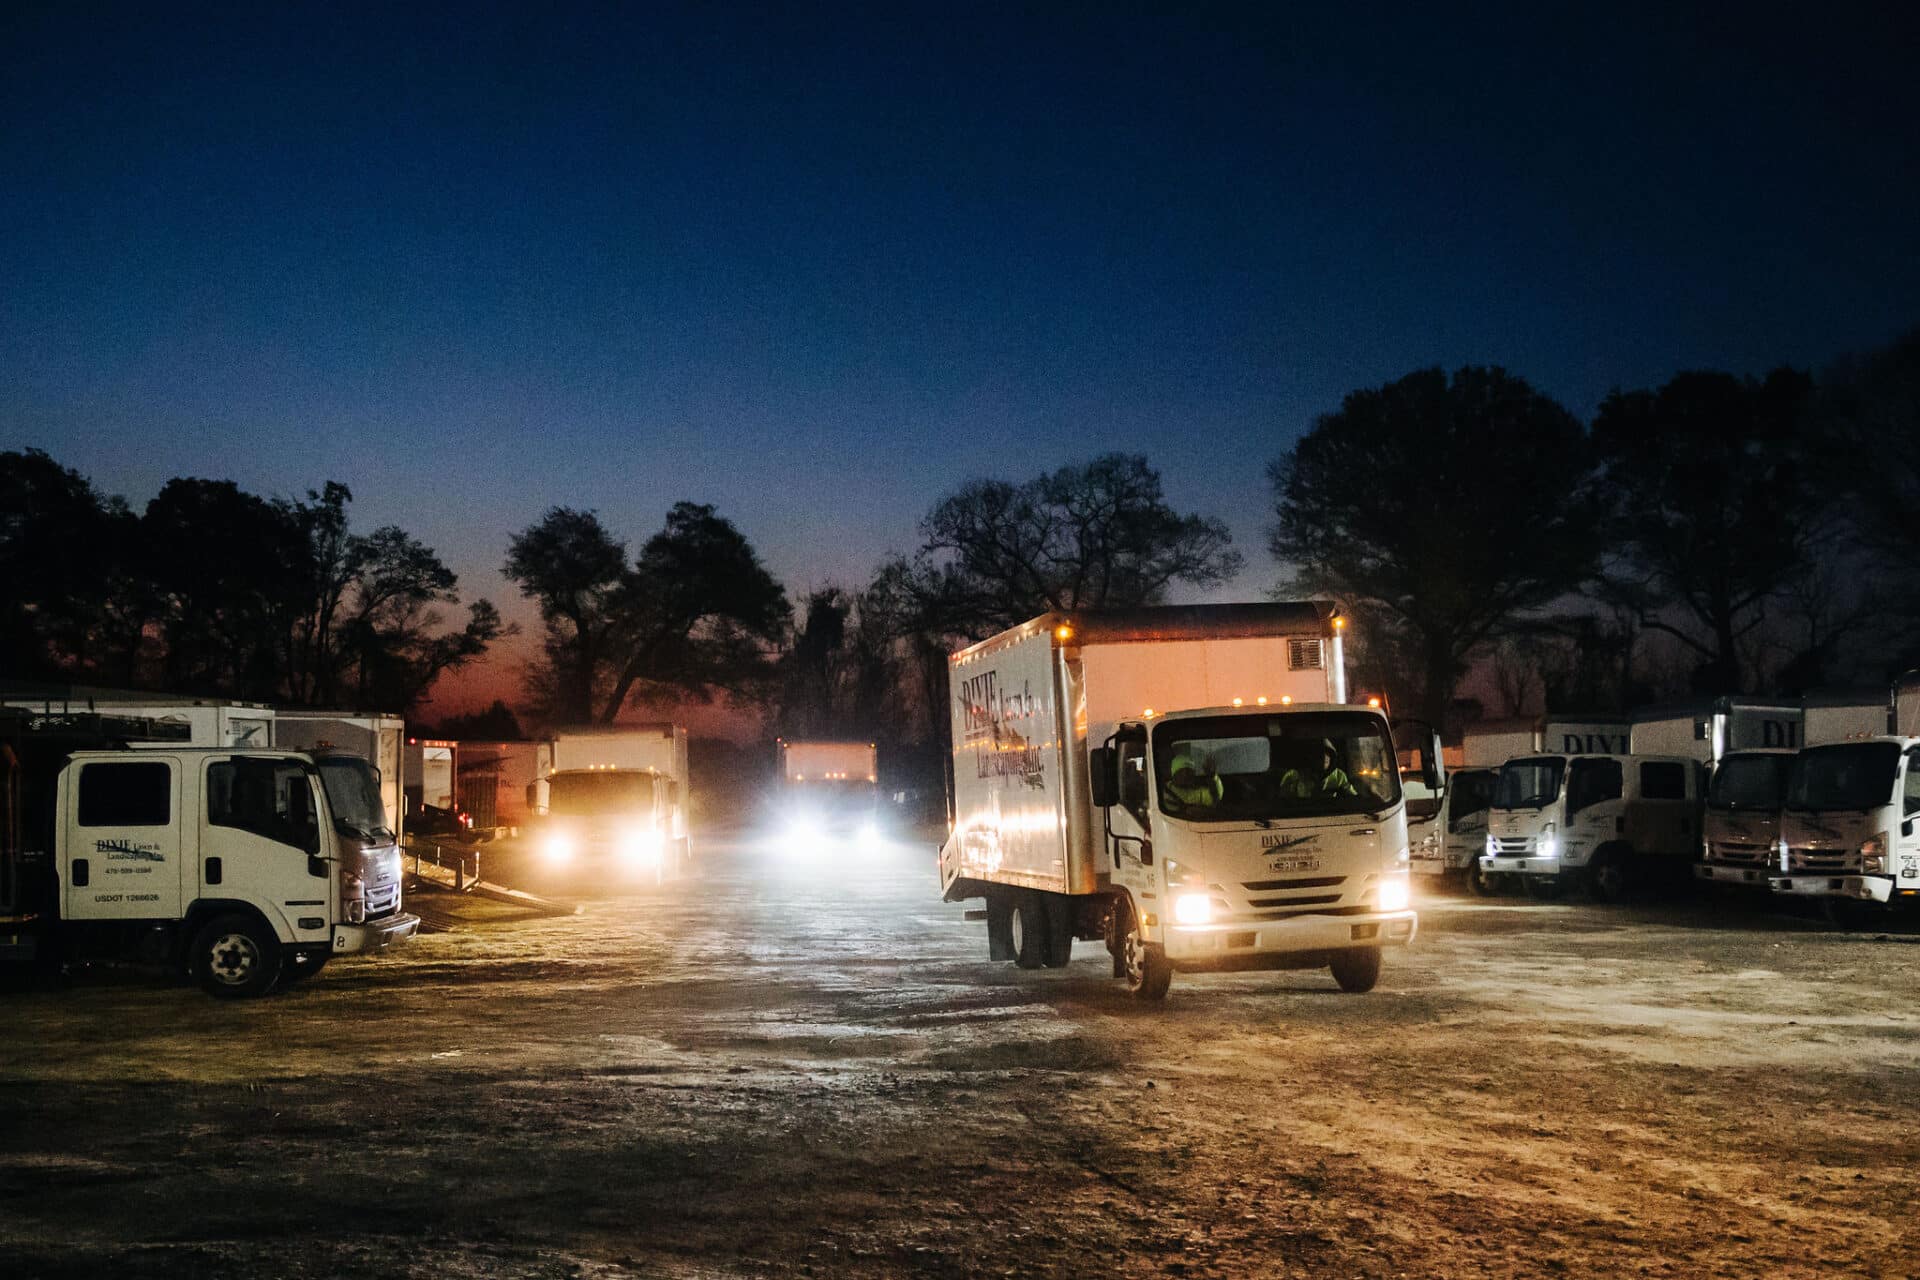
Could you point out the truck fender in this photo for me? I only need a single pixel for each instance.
(205, 909)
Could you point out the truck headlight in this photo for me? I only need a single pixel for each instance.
(1548, 845)
(641, 846)
(558, 847)
(1395, 894)
(1873, 854)
(868, 837)
(1492, 848)
(1193, 908)
(1780, 851)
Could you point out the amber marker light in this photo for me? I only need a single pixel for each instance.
(1063, 632)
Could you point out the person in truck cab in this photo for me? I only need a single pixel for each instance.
(1194, 782)
(1329, 779)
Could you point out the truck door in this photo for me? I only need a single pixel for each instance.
(1662, 820)
(121, 853)
(1594, 807)
(1469, 795)
(260, 843)
(1130, 827)
(1905, 867)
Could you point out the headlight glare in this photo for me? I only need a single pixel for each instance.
(1395, 894)
(1193, 908)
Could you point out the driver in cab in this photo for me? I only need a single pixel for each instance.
(1194, 781)
(1304, 781)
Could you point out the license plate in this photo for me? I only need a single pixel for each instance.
(1293, 864)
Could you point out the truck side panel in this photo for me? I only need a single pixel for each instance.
(124, 854)
(1008, 767)
(1125, 680)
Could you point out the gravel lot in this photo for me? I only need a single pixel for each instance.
(787, 1070)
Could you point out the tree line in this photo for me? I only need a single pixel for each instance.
(1717, 534)
(211, 590)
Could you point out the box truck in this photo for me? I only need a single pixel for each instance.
(247, 868)
(615, 795)
(1491, 743)
(1187, 786)
(1850, 831)
(1450, 843)
(205, 722)
(825, 793)
(495, 784)
(377, 739)
(1599, 821)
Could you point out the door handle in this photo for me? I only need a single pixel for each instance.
(213, 871)
(81, 876)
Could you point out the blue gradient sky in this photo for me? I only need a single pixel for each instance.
(819, 267)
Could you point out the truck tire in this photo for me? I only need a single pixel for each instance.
(1607, 876)
(1059, 908)
(1028, 927)
(1480, 882)
(1143, 965)
(235, 955)
(999, 927)
(1356, 969)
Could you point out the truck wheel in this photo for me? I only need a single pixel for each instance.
(1059, 911)
(236, 955)
(1143, 965)
(1607, 876)
(1356, 969)
(999, 927)
(1029, 930)
(1479, 881)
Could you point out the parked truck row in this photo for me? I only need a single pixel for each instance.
(1807, 798)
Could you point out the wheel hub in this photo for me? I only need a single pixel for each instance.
(233, 958)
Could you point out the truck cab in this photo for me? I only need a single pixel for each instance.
(1256, 838)
(609, 819)
(1741, 829)
(248, 868)
(1451, 841)
(1848, 833)
(1593, 819)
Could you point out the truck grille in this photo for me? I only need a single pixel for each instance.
(1512, 846)
(382, 900)
(1303, 882)
(1734, 853)
(1821, 861)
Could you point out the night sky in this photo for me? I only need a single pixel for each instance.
(819, 267)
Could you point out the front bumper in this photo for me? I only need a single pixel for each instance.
(378, 935)
(1301, 942)
(1493, 865)
(1745, 877)
(1441, 865)
(1858, 888)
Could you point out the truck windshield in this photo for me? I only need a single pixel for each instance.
(353, 793)
(591, 794)
(1750, 782)
(1532, 783)
(1287, 765)
(1847, 775)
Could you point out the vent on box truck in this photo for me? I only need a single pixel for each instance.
(1304, 655)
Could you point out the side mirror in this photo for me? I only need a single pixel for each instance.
(1103, 777)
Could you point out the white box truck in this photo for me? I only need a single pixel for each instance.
(206, 722)
(1449, 844)
(1491, 743)
(248, 868)
(826, 792)
(1849, 835)
(377, 739)
(615, 795)
(1600, 821)
(1186, 785)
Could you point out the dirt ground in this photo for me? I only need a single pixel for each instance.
(811, 1070)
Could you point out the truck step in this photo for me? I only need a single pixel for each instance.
(977, 914)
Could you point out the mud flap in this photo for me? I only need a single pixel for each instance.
(1060, 909)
